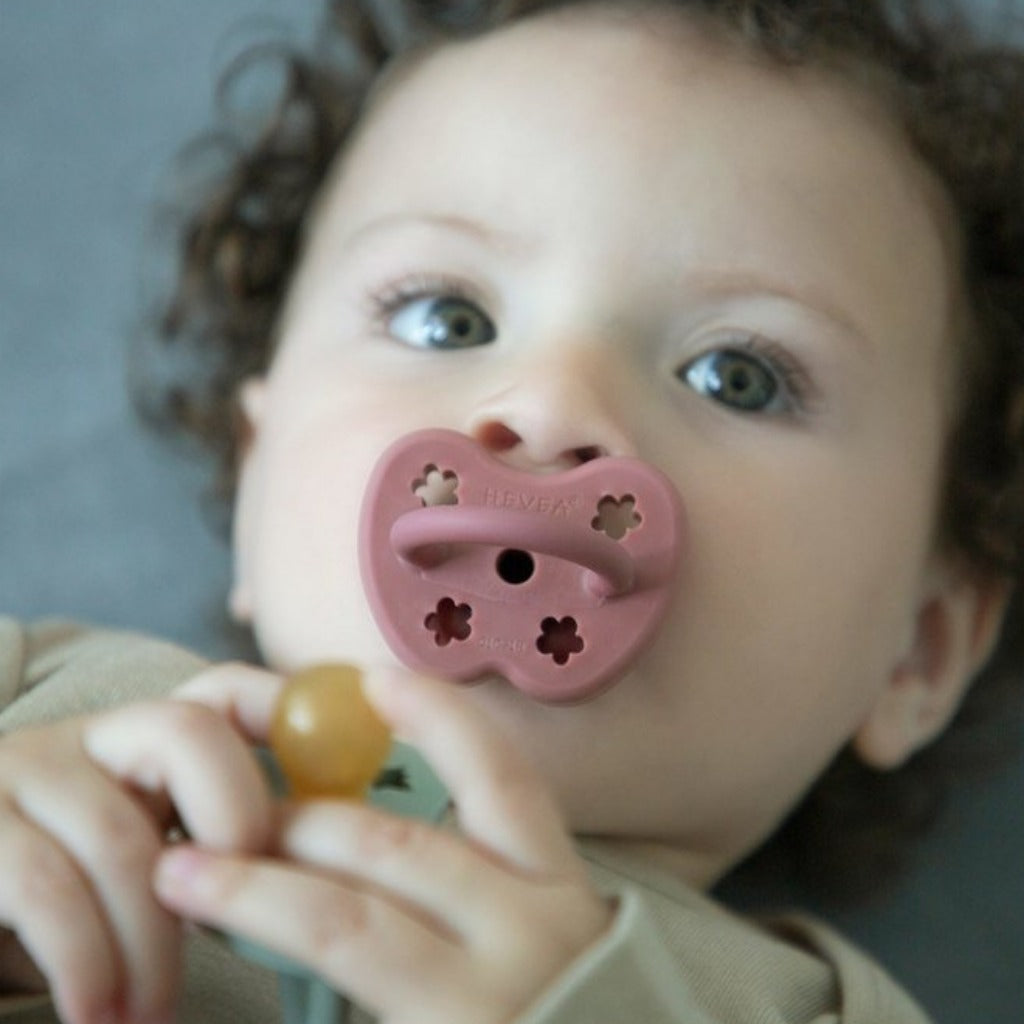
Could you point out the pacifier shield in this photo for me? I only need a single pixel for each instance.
(553, 581)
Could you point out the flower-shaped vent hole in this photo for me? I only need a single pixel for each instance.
(449, 621)
(436, 486)
(616, 516)
(559, 638)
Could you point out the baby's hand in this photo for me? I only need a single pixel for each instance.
(417, 924)
(84, 808)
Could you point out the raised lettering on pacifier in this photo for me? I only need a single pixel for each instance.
(555, 582)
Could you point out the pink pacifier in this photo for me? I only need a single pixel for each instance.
(555, 582)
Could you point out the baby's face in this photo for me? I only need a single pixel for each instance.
(580, 236)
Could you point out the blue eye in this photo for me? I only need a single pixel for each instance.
(441, 322)
(736, 378)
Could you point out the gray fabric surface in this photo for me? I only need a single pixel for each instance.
(98, 521)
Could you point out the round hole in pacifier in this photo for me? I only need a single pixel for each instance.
(515, 566)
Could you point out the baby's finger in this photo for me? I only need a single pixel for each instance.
(448, 880)
(243, 694)
(49, 904)
(113, 844)
(501, 799)
(378, 952)
(196, 756)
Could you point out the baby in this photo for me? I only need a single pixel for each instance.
(772, 249)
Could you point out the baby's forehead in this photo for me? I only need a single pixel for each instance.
(437, 102)
(655, 55)
(552, 111)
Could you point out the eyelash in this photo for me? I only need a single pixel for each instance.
(387, 300)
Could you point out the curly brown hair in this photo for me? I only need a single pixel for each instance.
(961, 102)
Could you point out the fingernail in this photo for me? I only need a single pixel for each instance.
(178, 867)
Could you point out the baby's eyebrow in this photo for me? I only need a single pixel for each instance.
(740, 283)
(493, 237)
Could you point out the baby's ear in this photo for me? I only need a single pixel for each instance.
(251, 395)
(956, 627)
(250, 403)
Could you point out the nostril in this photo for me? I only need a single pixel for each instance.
(588, 453)
(500, 439)
(496, 437)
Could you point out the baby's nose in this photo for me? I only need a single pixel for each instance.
(557, 417)
(499, 439)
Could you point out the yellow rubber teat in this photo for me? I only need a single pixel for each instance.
(328, 740)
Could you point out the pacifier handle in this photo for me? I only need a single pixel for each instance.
(421, 535)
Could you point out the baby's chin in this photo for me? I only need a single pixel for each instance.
(496, 693)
